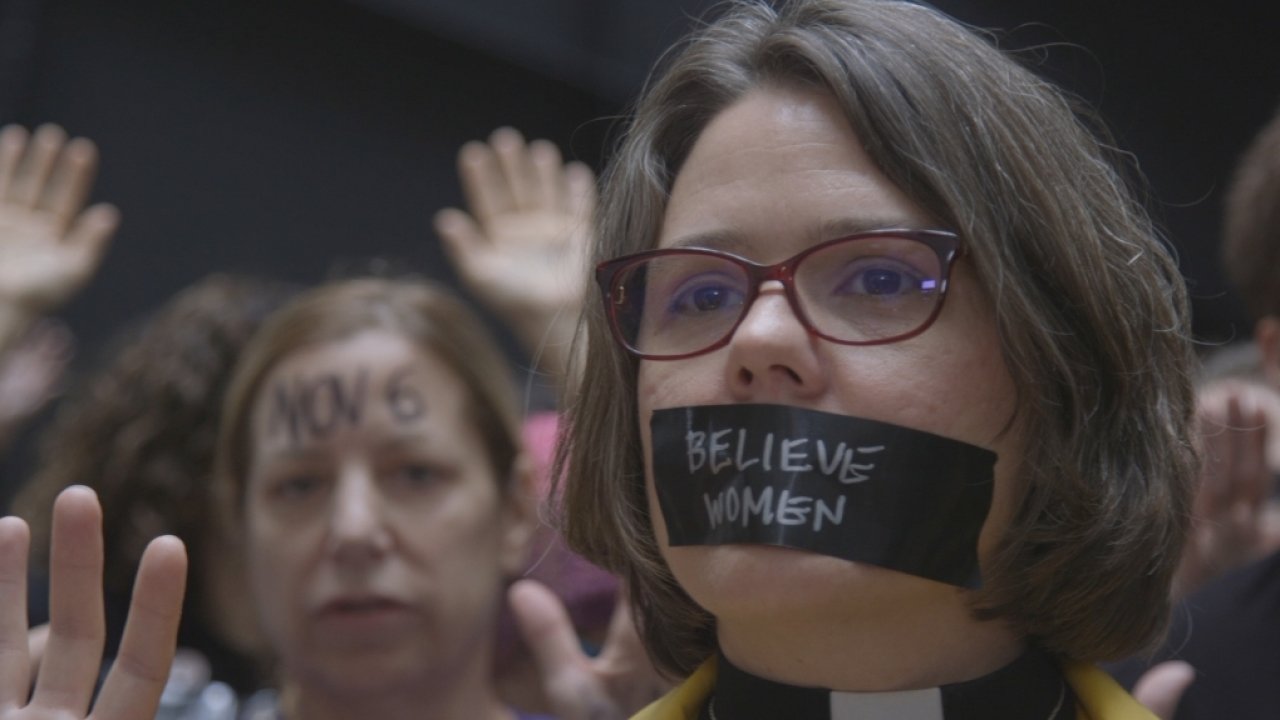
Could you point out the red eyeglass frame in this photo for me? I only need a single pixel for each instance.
(946, 244)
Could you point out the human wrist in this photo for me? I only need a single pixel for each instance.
(14, 322)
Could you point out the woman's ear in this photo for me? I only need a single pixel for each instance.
(520, 516)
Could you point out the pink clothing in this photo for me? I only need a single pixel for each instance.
(587, 591)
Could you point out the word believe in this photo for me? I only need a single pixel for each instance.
(720, 450)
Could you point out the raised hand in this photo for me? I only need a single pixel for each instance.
(612, 685)
(72, 651)
(50, 244)
(1161, 688)
(1235, 481)
(521, 248)
(29, 373)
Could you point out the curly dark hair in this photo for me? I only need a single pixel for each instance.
(141, 428)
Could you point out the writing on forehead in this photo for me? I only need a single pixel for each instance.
(318, 405)
(403, 397)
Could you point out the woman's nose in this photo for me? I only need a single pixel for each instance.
(358, 523)
(772, 356)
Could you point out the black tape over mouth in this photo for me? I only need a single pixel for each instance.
(843, 486)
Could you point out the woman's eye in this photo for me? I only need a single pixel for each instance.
(297, 487)
(419, 475)
(705, 297)
(882, 279)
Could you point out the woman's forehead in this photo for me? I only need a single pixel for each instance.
(374, 380)
(781, 162)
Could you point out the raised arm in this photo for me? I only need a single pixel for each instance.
(50, 243)
(29, 374)
(520, 245)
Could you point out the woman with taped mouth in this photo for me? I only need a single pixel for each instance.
(884, 412)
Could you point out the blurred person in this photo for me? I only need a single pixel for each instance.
(374, 490)
(1225, 640)
(855, 225)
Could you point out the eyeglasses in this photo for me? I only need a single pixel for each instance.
(866, 289)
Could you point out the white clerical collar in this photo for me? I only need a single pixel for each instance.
(1030, 688)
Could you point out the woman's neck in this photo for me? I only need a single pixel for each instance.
(871, 654)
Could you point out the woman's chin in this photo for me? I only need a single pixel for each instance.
(743, 581)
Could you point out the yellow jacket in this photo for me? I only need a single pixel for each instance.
(1098, 697)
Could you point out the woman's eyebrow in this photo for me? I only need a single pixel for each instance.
(725, 240)
(853, 225)
(735, 242)
(407, 441)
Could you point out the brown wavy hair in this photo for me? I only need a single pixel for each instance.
(1090, 308)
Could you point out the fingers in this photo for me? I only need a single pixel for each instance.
(15, 669)
(1162, 687)
(90, 234)
(506, 175)
(546, 628)
(69, 184)
(463, 238)
(549, 188)
(622, 639)
(132, 688)
(13, 143)
(1249, 455)
(44, 171)
(635, 682)
(517, 166)
(574, 684)
(580, 191)
(1235, 447)
(35, 166)
(76, 626)
(484, 184)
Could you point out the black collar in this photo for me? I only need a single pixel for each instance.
(1030, 688)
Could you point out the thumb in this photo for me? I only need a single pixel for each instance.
(545, 626)
(571, 685)
(1161, 688)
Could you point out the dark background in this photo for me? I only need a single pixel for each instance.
(277, 136)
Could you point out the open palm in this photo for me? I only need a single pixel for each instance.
(50, 244)
(521, 245)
